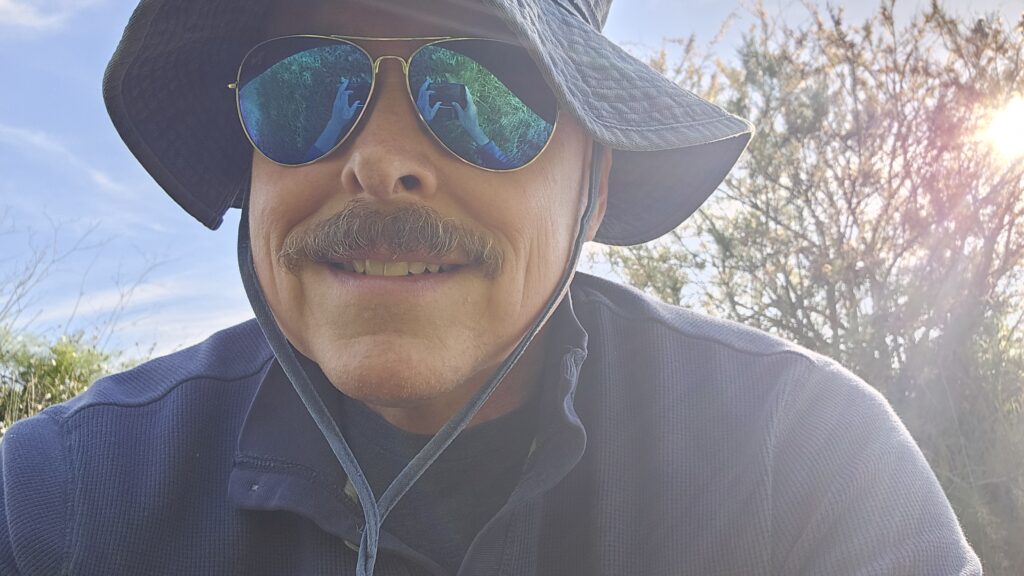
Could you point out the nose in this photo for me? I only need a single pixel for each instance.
(391, 156)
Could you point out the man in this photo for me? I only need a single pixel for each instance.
(428, 389)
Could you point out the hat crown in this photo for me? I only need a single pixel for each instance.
(593, 12)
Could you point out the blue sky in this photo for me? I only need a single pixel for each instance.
(64, 168)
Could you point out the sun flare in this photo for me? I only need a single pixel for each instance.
(1006, 131)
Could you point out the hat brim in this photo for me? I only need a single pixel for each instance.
(166, 92)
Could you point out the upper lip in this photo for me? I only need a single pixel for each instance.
(382, 256)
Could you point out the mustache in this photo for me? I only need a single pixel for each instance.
(362, 227)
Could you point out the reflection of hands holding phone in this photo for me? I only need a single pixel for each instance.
(490, 155)
(423, 101)
(341, 119)
(342, 112)
(449, 96)
(469, 120)
(458, 105)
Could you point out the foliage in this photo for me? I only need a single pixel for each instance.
(315, 70)
(497, 80)
(35, 373)
(296, 122)
(869, 222)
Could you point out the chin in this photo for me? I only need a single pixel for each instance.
(390, 381)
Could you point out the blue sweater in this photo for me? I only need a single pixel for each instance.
(668, 443)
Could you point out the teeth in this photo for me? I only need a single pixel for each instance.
(396, 268)
(389, 268)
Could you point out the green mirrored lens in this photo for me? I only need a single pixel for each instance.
(298, 97)
(485, 101)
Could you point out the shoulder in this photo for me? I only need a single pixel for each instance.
(834, 456)
(680, 375)
(630, 307)
(233, 354)
(722, 373)
(690, 348)
(155, 408)
(621, 317)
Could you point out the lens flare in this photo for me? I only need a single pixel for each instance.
(1006, 131)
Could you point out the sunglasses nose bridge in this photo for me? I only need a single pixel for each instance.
(376, 63)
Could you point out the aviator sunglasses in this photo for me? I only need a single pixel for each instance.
(484, 100)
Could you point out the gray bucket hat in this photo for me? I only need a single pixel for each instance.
(164, 89)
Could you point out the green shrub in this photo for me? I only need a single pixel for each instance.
(35, 372)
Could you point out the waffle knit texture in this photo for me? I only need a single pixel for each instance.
(668, 443)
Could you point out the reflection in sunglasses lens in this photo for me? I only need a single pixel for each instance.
(485, 101)
(299, 97)
(484, 87)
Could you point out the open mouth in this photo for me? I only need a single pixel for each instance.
(390, 268)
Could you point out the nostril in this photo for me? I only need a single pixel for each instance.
(410, 182)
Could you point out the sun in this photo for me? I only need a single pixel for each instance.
(1006, 131)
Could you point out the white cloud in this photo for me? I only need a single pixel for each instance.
(38, 141)
(175, 328)
(105, 302)
(155, 318)
(40, 14)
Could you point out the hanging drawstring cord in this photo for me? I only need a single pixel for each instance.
(375, 512)
(304, 388)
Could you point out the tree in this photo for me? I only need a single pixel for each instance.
(37, 370)
(869, 222)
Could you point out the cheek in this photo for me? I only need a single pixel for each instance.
(552, 227)
(280, 200)
(276, 207)
(268, 218)
(540, 224)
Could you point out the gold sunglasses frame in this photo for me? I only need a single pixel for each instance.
(375, 66)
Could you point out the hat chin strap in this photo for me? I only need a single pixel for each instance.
(374, 511)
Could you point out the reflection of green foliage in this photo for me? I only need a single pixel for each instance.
(302, 89)
(35, 373)
(515, 128)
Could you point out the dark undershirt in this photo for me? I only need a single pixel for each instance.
(472, 479)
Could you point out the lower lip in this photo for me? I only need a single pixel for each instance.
(409, 286)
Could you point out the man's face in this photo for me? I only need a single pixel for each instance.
(403, 341)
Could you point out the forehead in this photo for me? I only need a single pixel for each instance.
(386, 18)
